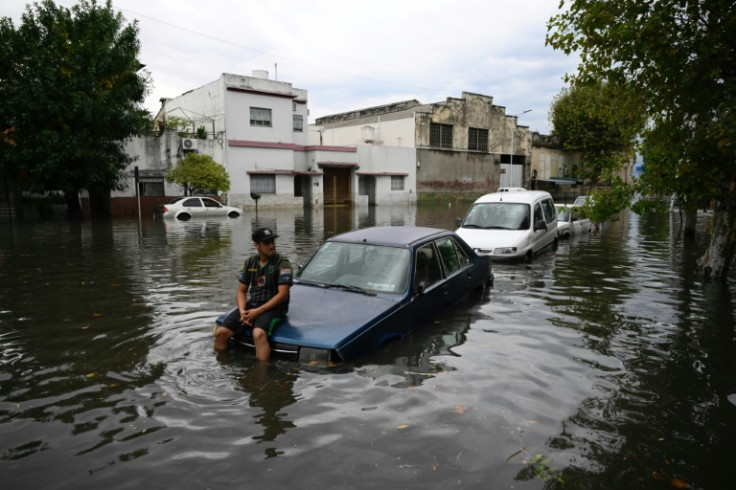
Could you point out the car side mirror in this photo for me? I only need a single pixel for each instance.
(458, 222)
(540, 225)
(420, 288)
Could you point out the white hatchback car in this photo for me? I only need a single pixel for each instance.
(511, 225)
(570, 222)
(188, 207)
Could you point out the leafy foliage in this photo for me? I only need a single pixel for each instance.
(70, 90)
(199, 171)
(677, 57)
(600, 121)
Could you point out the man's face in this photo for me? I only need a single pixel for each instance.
(266, 247)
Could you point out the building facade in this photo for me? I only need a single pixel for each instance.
(257, 129)
(465, 144)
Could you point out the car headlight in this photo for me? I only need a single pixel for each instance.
(309, 355)
(505, 251)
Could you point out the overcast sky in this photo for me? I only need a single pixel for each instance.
(352, 54)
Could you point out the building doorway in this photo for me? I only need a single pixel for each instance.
(337, 186)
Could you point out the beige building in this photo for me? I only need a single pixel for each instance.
(461, 144)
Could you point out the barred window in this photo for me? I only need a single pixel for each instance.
(151, 187)
(440, 135)
(397, 182)
(263, 183)
(478, 139)
(260, 116)
(298, 122)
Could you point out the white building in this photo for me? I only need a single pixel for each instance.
(257, 129)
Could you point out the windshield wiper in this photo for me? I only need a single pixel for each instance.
(352, 289)
(312, 283)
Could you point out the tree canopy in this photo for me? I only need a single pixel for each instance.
(677, 57)
(71, 87)
(600, 122)
(199, 171)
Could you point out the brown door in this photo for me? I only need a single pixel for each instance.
(337, 186)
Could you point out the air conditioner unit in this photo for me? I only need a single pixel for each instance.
(189, 143)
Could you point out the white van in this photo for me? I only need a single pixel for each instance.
(511, 225)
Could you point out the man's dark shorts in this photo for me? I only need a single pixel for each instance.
(266, 321)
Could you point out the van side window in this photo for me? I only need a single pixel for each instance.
(550, 213)
(538, 213)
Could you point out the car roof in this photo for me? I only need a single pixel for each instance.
(393, 236)
(514, 197)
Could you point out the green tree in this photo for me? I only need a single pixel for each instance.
(677, 57)
(199, 171)
(600, 122)
(70, 94)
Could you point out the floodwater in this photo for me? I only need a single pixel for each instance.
(605, 364)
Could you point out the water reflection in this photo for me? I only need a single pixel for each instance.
(605, 364)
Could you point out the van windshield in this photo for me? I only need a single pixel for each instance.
(499, 216)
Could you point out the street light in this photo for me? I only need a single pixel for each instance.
(515, 116)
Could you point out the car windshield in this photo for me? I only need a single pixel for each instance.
(563, 214)
(498, 216)
(358, 266)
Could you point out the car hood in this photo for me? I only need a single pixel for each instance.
(491, 239)
(330, 318)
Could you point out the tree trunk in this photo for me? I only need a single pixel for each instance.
(73, 207)
(716, 260)
(691, 219)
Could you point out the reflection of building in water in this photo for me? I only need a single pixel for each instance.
(270, 390)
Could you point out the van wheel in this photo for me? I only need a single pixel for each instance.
(529, 257)
(555, 244)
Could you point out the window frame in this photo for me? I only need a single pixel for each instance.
(261, 116)
(398, 182)
(440, 135)
(298, 123)
(263, 183)
(478, 139)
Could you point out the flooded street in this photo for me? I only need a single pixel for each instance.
(605, 364)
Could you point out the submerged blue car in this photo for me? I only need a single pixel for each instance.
(366, 287)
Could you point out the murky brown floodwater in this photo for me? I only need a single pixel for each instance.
(607, 364)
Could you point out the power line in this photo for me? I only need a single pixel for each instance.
(240, 46)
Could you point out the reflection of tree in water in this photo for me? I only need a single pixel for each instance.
(271, 389)
(660, 417)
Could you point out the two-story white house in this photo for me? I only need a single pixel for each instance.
(257, 128)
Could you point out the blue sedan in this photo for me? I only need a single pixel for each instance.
(366, 287)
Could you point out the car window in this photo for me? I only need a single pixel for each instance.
(453, 258)
(549, 210)
(563, 214)
(428, 269)
(211, 203)
(192, 202)
(371, 267)
(538, 212)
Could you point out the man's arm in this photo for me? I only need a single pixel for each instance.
(241, 299)
(281, 296)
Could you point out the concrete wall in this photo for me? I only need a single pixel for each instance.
(450, 171)
(552, 162)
